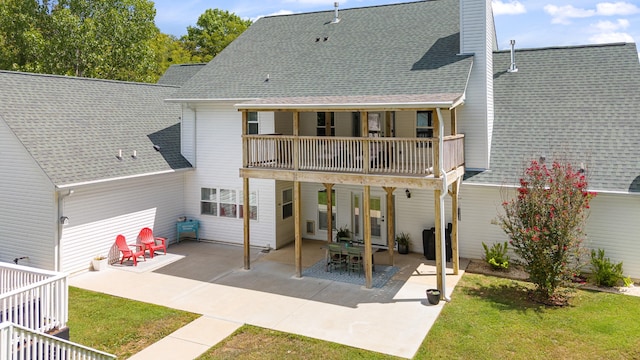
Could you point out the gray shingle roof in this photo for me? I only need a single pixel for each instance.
(178, 74)
(580, 103)
(75, 127)
(401, 49)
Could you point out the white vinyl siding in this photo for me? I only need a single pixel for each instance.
(612, 225)
(28, 215)
(475, 117)
(188, 134)
(219, 158)
(98, 213)
(479, 205)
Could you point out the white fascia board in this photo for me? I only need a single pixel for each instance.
(208, 100)
(100, 181)
(363, 106)
(515, 186)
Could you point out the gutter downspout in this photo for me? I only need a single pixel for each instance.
(58, 251)
(443, 193)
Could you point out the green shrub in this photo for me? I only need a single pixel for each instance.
(545, 223)
(496, 256)
(605, 273)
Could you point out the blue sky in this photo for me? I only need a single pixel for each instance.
(532, 23)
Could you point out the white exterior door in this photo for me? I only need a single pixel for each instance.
(377, 214)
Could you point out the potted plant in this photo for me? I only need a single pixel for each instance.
(99, 262)
(433, 296)
(403, 239)
(343, 234)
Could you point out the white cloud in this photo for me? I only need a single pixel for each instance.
(562, 14)
(609, 32)
(610, 37)
(609, 26)
(512, 7)
(617, 8)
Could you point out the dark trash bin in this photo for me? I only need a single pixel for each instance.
(447, 241)
(429, 242)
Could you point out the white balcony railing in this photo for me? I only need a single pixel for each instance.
(403, 156)
(19, 342)
(34, 298)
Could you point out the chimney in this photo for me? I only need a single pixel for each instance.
(513, 67)
(336, 19)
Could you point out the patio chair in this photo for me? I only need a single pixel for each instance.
(355, 260)
(126, 251)
(152, 243)
(336, 258)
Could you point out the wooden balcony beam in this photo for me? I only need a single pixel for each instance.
(390, 180)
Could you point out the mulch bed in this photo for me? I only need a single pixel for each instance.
(516, 272)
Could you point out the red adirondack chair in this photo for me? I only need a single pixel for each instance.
(127, 252)
(152, 243)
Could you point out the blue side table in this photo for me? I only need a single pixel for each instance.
(188, 226)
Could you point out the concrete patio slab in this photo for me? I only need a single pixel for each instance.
(209, 280)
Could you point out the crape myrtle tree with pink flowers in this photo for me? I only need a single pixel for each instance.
(545, 224)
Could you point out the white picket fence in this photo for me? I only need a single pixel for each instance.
(32, 303)
(33, 298)
(20, 343)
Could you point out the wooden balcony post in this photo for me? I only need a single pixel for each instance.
(437, 138)
(329, 188)
(391, 222)
(296, 141)
(245, 142)
(366, 204)
(298, 233)
(245, 217)
(454, 122)
(364, 128)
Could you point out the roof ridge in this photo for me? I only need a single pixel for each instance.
(565, 47)
(67, 77)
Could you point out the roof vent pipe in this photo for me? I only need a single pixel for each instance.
(513, 67)
(336, 19)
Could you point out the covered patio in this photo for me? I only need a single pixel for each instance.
(373, 156)
(209, 279)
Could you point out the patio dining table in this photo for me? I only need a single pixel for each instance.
(353, 245)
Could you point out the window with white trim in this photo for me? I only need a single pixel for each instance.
(322, 124)
(424, 124)
(209, 201)
(227, 203)
(287, 203)
(253, 205)
(252, 123)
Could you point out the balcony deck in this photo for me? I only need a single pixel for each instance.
(406, 162)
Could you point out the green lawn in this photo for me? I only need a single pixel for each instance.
(120, 326)
(250, 342)
(488, 318)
